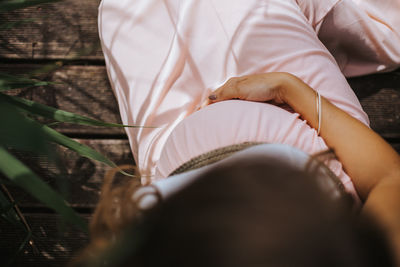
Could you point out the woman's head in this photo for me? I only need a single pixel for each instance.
(252, 213)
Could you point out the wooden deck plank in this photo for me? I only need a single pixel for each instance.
(86, 91)
(383, 109)
(84, 177)
(379, 95)
(68, 31)
(63, 30)
(82, 89)
(55, 246)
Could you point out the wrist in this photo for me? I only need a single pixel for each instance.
(291, 88)
(301, 98)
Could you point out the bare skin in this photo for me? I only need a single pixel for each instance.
(371, 162)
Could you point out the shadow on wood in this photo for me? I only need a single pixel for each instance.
(64, 30)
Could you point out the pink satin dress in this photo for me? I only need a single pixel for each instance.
(164, 57)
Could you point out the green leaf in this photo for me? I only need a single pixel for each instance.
(22, 176)
(23, 133)
(9, 82)
(81, 149)
(19, 132)
(53, 113)
(85, 151)
(9, 5)
(7, 211)
(26, 134)
(19, 250)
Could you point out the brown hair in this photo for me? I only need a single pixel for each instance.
(114, 212)
(249, 213)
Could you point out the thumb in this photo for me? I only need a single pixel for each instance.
(227, 91)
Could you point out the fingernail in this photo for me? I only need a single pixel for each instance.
(212, 97)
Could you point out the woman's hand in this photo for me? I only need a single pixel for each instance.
(257, 87)
(371, 162)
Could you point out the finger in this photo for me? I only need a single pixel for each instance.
(227, 91)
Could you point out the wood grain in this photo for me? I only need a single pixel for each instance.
(380, 97)
(81, 177)
(64, 30)
(55, 243)
(67, 32)
(85, 90)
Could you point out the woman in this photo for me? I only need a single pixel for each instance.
(166, 58)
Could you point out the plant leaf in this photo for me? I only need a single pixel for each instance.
(7, 211)
(9, 5)
(23, 133)
(26, 134)
(22, 176)
(19, 250)
(81, 149)
(53, 113)
(9, 82)
(19, 132)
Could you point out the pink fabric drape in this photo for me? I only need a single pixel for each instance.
(164, 58)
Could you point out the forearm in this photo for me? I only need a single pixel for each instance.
(371, 162)
(364, 154)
